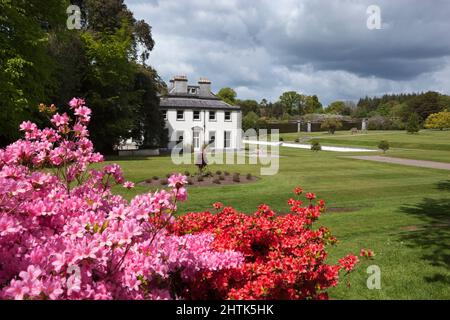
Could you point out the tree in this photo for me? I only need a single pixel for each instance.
(250, 121)
(315, 146)
(313, 105)
(227, 95)
(440, 120)
(248, 106)
(26, 67)
(425, 104)
(383, 145)
(293, 103)
(413, 125)
(339, 107)
(331, 124)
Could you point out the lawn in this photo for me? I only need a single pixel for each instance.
(402, 213)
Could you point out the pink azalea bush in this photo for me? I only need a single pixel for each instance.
(64, 235)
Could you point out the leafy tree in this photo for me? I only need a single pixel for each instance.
(26, 67)
(426, 104)
(383, 145)
(228, 95)
(413, 125)
(440, 120)
(248, 106)
(250, 121)
(339, 107)
(293, 102)
(313, 105)
(331, 124)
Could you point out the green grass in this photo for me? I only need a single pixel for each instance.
(426, 145)
(401, 212)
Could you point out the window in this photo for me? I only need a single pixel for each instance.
(227, 116)
(212, 116)
(180, 115)
(193, 90)
(227, 139)
(197, 115)
(196, 139)
(212, 139)
(164, 114)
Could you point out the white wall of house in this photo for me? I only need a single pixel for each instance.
(204, 129)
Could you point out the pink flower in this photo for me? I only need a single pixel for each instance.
(348, 262)
(60, 120)
(128, 185)
(217, 205)
(83, 113)
(366, 253)
(177, 181)
(76, 102)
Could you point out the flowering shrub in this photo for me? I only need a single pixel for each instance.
(64, 235)
(284, 255)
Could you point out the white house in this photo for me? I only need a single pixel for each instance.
(195, 116)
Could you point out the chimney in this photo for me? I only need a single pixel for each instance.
(205, 87)
(171, 84)
(180, 84)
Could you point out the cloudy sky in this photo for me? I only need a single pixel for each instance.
(262, 48)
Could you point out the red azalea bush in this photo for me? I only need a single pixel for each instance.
(64, 235)
(284, 255)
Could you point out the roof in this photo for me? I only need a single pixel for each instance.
(194, 102)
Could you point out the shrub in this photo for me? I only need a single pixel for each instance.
(164, 182)
(236, 177)
(216, 180)
(226, 173)
(249, 176)
(284, 254)
(187, 173)
(155, 178)
(383, 145)
(297, 140)
(190, 181)
(331, 124)
(218, 172)
(315, 146)
(440, 120)
(222, 177)
(200, 178)
(168, 175)
(64, 235)
(413, 124)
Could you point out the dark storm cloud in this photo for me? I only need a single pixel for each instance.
(314, 46)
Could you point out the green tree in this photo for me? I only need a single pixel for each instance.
(313, 105)
(227, 95)
(338, 107)
(331, 124)
(293, 103)
(413, 124)
(440, 120)
(248, 106)
(250, 121)
(26, 67)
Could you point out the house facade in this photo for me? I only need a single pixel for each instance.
(195, 116)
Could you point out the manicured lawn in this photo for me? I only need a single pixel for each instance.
(402, 213)
(426, 145)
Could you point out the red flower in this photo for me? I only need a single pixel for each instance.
(298, 191)
(218, 205)
(366, 253)
(348, 262)
(310, 196)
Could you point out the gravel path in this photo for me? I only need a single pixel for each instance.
(406, 162)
